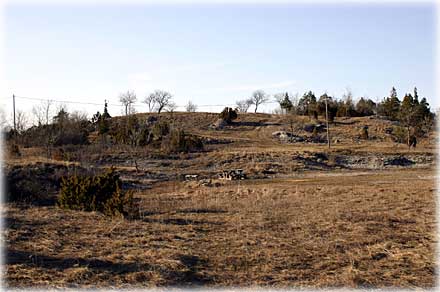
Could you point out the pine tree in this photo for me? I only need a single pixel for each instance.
(307, 104)
(286, 104)
(393, 93)
(416, 96)
(104, 124)
(106, 115)
(390, 106)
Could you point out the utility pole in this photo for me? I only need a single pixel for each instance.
(326, 119)
(13, 105)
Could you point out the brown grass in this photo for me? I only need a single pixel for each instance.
(306, 224)
(316, 230)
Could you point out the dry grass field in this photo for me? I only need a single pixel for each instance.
(354, 216)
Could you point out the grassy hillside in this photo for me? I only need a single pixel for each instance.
(361, 214)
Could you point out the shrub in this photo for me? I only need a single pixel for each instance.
(228, 114)
(72, 136)
(58, 154)
(160, 130)
(14, 150)
(32, 184)
(178, 141)
(96, 193)
(118, 131)
(25, 190)
(364, 133)
(315, 132)
(400, 134)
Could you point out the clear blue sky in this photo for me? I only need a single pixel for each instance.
(217, 54)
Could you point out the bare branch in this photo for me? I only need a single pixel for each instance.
(259, 97)
(190, 107)
(128, 99)
(161, 98)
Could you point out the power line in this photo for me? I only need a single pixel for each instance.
(119, 105)
(64, 101)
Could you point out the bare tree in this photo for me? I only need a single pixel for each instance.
(3, 120)
(278, 96)
(47, 111)
(190, 107)
(39, 115)
(162, 99)
(171, 107)
(43, 112)
(128, 99)
(347, 99)
(243, 105)
(259, 97)
(79, 116)
(150, 100)
(21, 121)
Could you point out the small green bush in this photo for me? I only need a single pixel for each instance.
(400, 134)
(96, 193)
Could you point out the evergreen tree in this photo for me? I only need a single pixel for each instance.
(104, 123)
(414, 115)
(96, 117)
(106, 115)
(393, 93)
(365, 107)
(390, 106)
(286, 104)
(61, 119)
(416, 96)
(307, 104)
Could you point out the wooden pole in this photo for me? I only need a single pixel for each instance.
(326, 119)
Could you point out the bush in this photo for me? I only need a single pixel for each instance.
(26, 190)
(33, 184)
(160, 130)
(100, 193)
(400, 134)
(14, 150)
(72, 137)
(228, 114)
(58, 154)
(178, 141)
(364, 133)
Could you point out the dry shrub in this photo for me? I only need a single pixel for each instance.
(58, 154)
(34, 184)
(14, 150)
(228, 115)
(160, 130)
(332, 159)
(178, 141)
(364, 133)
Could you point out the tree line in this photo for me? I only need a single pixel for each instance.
(411, 111)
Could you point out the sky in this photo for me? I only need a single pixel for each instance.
(215, 54)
